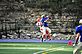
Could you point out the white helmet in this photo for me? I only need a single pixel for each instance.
(47, 16)
(80, 21)
(42, 16)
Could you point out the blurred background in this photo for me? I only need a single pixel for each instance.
(17, 18)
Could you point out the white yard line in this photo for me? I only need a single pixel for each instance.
(37, 48)
(49, 50)
(54, 50)
(17, 44)
(9, 52)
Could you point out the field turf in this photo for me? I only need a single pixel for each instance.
(35, 48)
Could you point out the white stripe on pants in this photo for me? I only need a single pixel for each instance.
(78, 48)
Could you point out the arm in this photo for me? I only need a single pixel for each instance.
(77, 38)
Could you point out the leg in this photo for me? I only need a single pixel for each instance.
(43, 38)
(78, 48)
(49, 36)
(49, 33)
(44, 33)
(42, 29)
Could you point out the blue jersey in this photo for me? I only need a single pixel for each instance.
(44, 19)
(45, 24)
(79, 30)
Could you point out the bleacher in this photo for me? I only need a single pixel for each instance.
(14, 18)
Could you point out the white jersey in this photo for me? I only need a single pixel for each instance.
(38, 23)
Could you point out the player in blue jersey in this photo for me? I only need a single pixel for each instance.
(46, 31)
(44, 18)
(78, 41)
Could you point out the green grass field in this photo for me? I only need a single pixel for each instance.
(35, 48)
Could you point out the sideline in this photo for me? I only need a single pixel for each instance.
(35, 48)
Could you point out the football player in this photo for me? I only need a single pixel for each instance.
(78, 37)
